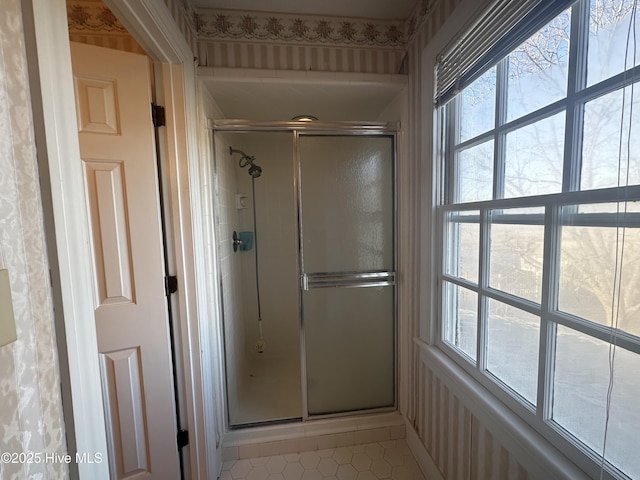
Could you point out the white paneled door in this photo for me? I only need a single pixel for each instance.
(117, 147)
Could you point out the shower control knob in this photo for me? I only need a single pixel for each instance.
(236, 241)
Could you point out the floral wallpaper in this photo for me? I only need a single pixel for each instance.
(30, 400)
(91, 22)
(237, 38)
(93, 16)
(228, 24)
(423, 10)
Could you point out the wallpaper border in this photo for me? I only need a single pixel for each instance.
(86, 16)
(287, 28)
(207, 25)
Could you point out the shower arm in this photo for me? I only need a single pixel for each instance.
(247, 160)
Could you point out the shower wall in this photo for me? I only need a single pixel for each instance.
(231, 267)
(277, 245)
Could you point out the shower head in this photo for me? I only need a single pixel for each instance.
(255, 171)
(247, 160)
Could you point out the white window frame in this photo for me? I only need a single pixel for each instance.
(578, 94)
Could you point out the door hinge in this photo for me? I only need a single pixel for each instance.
(170, 284)
(158, 116)
(183, 438)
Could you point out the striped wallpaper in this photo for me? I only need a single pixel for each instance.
(490, 459)
(446, 428)
(124, 43)
(341, 45)
(461, 447)
(420, 159)
(301, 57)
(91, 22)
(183, 14)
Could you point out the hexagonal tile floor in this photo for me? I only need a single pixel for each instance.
(391, 460)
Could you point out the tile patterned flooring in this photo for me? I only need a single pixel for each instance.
(389, 460)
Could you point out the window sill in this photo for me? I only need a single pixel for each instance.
(538, 456)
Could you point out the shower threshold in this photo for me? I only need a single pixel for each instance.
(266, 423)
(280, 438)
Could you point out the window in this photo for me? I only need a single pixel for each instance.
(540, 209)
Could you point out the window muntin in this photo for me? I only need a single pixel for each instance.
(547, 181)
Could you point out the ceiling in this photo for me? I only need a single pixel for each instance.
(378, 9)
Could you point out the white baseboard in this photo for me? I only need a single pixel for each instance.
(426, 463)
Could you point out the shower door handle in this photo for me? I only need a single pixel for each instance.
(348, 279)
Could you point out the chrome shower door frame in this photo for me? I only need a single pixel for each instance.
(329, 280)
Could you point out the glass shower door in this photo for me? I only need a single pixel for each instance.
(348, 278)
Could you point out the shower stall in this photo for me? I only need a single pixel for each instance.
(305, 220)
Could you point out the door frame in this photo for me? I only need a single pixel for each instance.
(151, 23)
